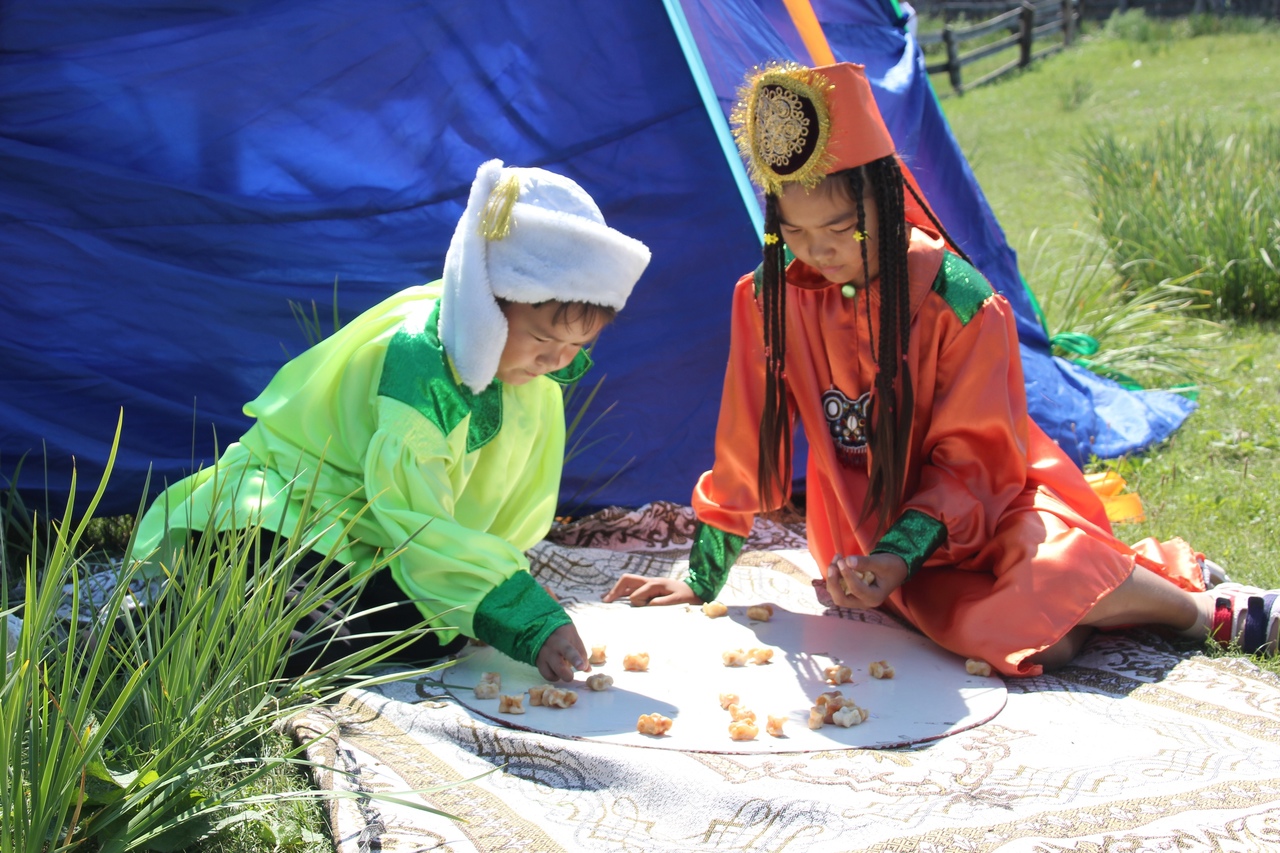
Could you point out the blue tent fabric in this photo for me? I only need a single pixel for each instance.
(172, 176)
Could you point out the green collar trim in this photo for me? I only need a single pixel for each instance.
(417, 372)
(574, 370)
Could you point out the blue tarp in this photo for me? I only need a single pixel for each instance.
(172, 177)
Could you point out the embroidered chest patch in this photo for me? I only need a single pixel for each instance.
(847, 420)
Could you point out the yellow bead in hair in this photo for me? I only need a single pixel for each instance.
(770, 239)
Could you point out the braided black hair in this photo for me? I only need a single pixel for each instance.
(774, 463)
(894, 395)
(890, 433)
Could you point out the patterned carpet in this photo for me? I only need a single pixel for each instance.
(1139, 745)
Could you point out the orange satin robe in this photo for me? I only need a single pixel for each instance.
(1028, 549)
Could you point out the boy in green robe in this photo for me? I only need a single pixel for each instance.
(439, 418)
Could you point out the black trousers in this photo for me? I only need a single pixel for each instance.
(336, 629)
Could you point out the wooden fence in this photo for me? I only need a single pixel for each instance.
(1099, 10)
(1026, 23)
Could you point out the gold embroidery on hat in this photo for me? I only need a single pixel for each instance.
(782, 115)
(495, 219)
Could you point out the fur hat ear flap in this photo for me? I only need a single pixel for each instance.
(472, 328)
(529, 236)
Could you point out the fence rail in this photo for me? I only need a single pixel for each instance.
(1101, 9)
(1027, 22)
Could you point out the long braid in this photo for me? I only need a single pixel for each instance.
(774, 464)
(856, 190)
(895, 399)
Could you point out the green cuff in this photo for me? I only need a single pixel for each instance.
(517, 616)
(913, 537)
(713, 554)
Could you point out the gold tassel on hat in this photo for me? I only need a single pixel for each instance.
(495, 219)
(781, 123)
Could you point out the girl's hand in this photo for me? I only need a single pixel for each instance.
(888, 571)
(640, 591)
(561, 654)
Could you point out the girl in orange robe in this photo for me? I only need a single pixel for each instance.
(929, 489)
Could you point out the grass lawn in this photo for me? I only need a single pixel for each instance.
(1020, 133)
(1216, 482)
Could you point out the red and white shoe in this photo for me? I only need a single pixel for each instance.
(1247, 617)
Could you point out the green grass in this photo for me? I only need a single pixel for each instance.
(1193, 201)
(154, 731)
(1022, 144)
(1216, 482)
(1152, 338)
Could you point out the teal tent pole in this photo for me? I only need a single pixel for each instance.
(680, 24)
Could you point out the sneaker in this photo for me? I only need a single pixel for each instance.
(1212, 573)
(1246, 616)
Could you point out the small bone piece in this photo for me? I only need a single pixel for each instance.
(817, 717)
(734, 657)
(597, 656)
(739, 713)
(554, 697)
(743, 730)
(880, 669)
(511, 704)
(727, 699)
(653, 724)
(774, 725)
(488, 689)
(838, 674)
(835, 705)
(714, 609)
(535, 694)
(760, 656)
(760, 612)
(638, 662)
(973, 666)
(849, 715)
(866, 577)
(599, 681)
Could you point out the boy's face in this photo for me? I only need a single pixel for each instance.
(819, 226)
(536, 344)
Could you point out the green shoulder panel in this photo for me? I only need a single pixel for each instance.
(416, 372)
(962, 286)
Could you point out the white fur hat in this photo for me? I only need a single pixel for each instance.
(532, 236)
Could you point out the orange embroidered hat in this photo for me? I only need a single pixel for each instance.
(797, 125)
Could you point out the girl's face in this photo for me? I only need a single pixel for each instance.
(821, 226)
(536, 344)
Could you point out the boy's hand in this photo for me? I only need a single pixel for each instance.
(849, 586)
(561, 654)
(640, 590)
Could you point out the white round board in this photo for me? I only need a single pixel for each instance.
(931, 695)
